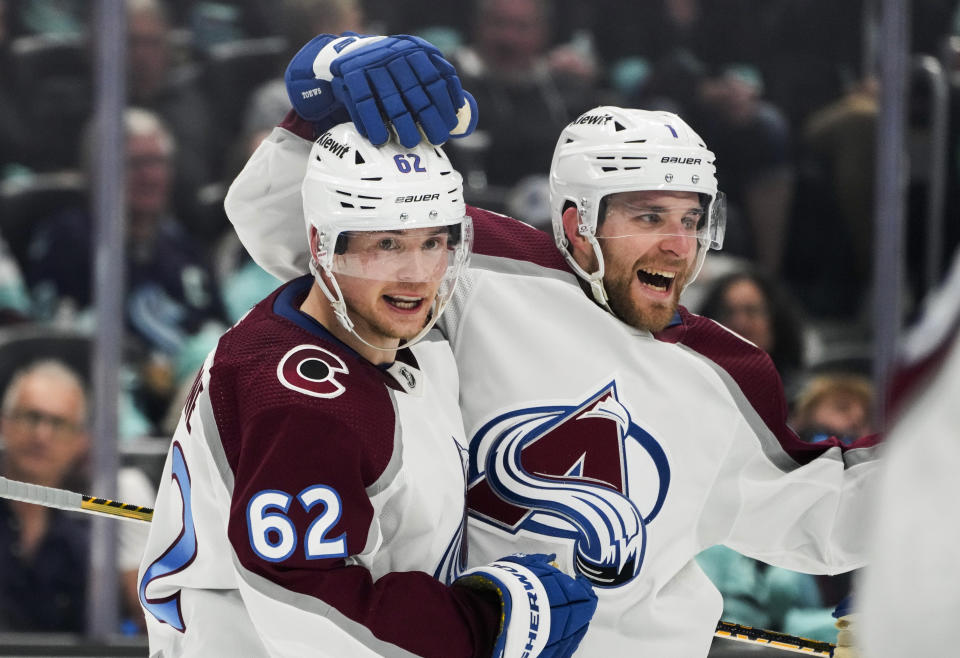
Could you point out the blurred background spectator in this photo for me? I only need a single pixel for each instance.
(528, 87)
(45, 439)
(758, 308)
(171, 294)
(836, 404)
(161, 81)
(44, 427)
(301, 20)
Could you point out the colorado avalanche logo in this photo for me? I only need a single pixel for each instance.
(454, 560)
(561, 471)
(312, 370)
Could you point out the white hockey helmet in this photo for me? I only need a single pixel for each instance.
(353, 186)
(610, 149)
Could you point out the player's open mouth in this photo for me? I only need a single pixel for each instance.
(403, 302)
(658, 280)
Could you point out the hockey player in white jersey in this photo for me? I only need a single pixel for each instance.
(312, 503)
(905, 601)
(624, 454)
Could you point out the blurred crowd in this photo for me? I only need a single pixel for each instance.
(783, 91)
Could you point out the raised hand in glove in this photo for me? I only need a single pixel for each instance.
(545, 612)
(380, 81)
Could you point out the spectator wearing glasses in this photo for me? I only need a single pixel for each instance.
(45, 551)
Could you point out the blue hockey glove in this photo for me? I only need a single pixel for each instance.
(847, 642)
(545, 612)
(401, 81)
(844, 608)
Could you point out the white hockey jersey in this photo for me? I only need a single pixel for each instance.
(906, 599)
(623, 454)
(312, 503)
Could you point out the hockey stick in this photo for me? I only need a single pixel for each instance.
(72, 501)
(75, 502)
(773, 639)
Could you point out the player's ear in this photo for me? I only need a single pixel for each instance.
(571, 223)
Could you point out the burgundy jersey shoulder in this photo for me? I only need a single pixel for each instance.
(268, 366)
(298, 126)
(506, 237)
(749, 366)
(925, 347)
(754, 374)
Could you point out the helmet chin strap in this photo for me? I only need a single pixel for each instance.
(595, 279)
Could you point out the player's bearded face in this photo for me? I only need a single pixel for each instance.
(391, 281)
(647, 267)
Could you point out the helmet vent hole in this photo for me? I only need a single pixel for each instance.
(358, 159)
(568, 140)
(373, 178)
(611, 168)
(445, 173)
(374, 198)
(344, 204)
(344, 193)
(635, 141)
(631, 168)
(618, 126)
(368, 207)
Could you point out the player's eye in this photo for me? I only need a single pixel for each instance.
(434, 243)
(692, 221)
(648, 219)
(388, 244)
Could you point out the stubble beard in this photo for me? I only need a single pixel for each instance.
(645, 314)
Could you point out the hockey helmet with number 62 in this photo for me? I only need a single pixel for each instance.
(353, 186)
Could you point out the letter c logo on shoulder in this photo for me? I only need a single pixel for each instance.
(312, 370)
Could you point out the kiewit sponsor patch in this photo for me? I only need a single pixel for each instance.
(332, 145)
(594, 119)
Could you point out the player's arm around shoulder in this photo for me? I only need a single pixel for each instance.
(264, 203)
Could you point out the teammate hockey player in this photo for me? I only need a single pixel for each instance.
(312, 502)
(624, 454)
(905, 601)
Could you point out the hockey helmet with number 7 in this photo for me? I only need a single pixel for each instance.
(609, 150)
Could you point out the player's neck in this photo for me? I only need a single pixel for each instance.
(318, 307)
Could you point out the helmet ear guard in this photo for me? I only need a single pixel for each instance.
(352, 187)
(609, 150)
